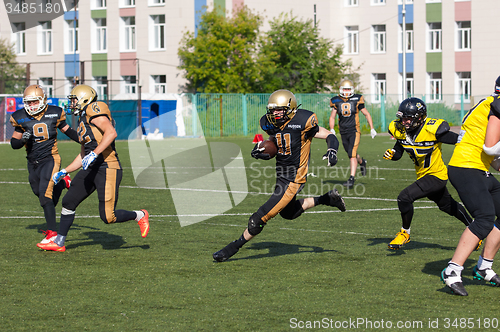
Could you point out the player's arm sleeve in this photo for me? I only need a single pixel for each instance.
(444, 135)
(71, 133)
(399, 151)
(16, 143)
(332, 142)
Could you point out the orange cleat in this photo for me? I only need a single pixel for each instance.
(51, 246)
(50, 235)
(144, 223)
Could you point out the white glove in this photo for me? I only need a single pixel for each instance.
(88, 159)
(59, 175)
(373, 132)
(333, 131)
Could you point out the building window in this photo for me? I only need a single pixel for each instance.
(101, 87)
(350, 3)
(435, 36)
(47, 85)
(351, 45)
(100, 4)
(71, 36)
(129, 84)
(128, 33)
(463, 87)
(409, 38)
(156, 2)
(435, 87)
(19, 30)
(379, 87)
(463, 36)
(400, 2)
(100, 35)
(377, 2)
(410, 90)
(378, 39)
(127, 3)
(160, 83)
(45, 40)
(158, 35)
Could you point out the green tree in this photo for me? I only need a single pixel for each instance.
(224, 57)
(307, 63)
(12, 74)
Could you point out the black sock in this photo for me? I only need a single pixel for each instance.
(124, 215)
(49, 212)
(322, 200)
(65, 223)
(233, 247)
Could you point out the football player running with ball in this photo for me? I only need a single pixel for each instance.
(293, 130)
(35, 127)
(101, 168)
(421, 137)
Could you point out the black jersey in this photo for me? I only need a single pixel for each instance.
(90, 136)
(43, 127)
(294, 144)
(348, 112)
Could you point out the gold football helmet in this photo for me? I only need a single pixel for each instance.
(346, 89)
(81, 96)
(281, 107)
(32, 94)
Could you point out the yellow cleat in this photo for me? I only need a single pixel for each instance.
(401, 238)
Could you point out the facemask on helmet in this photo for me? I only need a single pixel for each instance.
(281, 107)
(346, 89)
(34, 100)
(81, 96)
(412, 113)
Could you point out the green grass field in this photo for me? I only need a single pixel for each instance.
(323, 271)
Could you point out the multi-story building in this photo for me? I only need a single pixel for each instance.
(122, 47)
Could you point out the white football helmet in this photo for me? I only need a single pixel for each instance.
(34, 93)
(346, 89)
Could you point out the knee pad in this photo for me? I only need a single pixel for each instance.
(405, 204)
(481, 229)
(291, 212)
(255, 224)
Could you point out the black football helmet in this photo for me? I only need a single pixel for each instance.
(497, 86)
(415, 109)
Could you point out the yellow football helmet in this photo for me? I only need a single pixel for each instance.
(81, 96)
(346, 89)
(281, 100)
(34, 93)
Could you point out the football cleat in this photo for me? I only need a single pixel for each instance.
(362, 167)
(487, 275)
(401, 238)
(144, 223)
(51, 246)
(222, 255)
(336, 200)
(349, 183)
(67, 181)
(454, 282)
(50, 235)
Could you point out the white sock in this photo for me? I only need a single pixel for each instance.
(140, 214)
(406, 230)
(483, 263)
(454, 267)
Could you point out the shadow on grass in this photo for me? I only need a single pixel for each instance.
(106, 240)
(409, 246)
(434, 268)
(272, 249)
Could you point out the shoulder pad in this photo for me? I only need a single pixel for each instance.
(432, 125)
(395, 131)
(97, 108)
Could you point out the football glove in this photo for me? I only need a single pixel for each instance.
(373, 132)
(26, 136)
(59, 175)
(389, 153)
(331, 155)
(88, 159)
(496, 163)
(258, 154)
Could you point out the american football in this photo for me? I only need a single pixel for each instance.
(269, 147)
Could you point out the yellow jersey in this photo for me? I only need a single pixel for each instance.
(424, 148)
(469, 152)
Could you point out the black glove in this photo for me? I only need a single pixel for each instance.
(26, 136)
(331, 155)
(258, 154)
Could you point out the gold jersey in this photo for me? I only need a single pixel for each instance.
(469, 152)
(424, 148)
